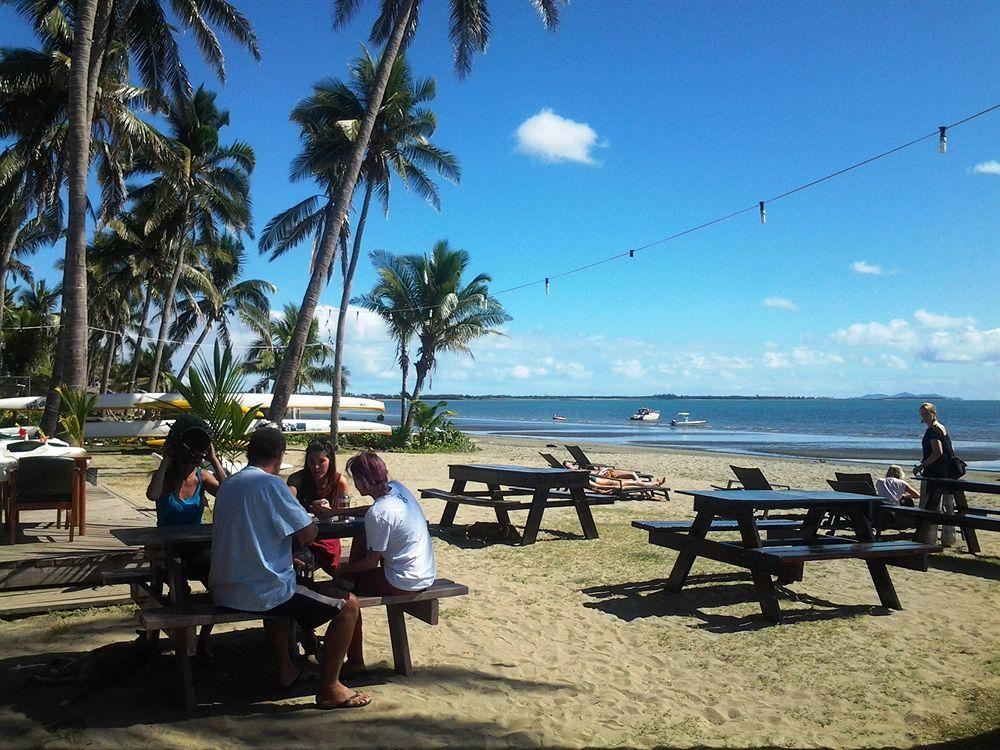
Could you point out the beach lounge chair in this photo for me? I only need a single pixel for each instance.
(551, 460)
(860, 479)
(750, 478)
(621, 493)
(44, 483)
(582, 461)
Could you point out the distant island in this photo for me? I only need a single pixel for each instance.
(905, 395)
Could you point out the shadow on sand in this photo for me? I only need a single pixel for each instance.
(636, 600)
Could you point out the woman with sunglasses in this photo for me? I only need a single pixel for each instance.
(319, 487)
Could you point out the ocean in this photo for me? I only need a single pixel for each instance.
(886, 430)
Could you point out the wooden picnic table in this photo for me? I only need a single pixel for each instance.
(971, 518)
(548, 488)
(784, 557)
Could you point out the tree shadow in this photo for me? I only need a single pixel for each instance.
(638, 600)
(465, 537)
(123, 687)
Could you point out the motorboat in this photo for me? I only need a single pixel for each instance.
(645, 415)
(685, 421)
(558, 418)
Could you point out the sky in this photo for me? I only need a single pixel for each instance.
(635, 121)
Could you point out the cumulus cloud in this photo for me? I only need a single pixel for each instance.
(987, 167)
(930, 320)
(556, 139)
(801, 356)
(869, 269)
(780, 303)
(896, 333)
(969, 345)
(520, 372)
(629, 368)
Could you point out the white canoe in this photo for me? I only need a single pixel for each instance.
(160, 427)
(163, 400)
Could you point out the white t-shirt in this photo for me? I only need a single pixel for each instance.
(254, 520)
(891, 489)
(396, 528)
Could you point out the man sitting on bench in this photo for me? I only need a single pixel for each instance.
(256, 522)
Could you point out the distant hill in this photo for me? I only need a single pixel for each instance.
(904, 394)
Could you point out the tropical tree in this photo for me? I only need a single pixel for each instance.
(94, 31)
(394, 300)
(267, 350)
(397, 21)
(199, 185)
(226, 297)
(400, 144)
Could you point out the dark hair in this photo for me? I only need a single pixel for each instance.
(188, 438)
(319, 445)
(368, 466)
(266, 444)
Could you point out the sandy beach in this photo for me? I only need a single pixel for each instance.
(573, 643)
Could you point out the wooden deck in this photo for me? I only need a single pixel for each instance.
(44, 571)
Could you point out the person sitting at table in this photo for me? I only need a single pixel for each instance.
(257, 523)
(179, 488)
(895, 490)
(320, 483)
(394, 556)
(607, 480)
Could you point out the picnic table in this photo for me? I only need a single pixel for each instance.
(548, 488)
(966, 518)
(783, 557)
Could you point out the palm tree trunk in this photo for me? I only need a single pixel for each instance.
(404, 364)
(422, 370)
(134, 371)
(8, 251)
(345, 298)
(73, 322)
(108, 360)
(293, 354)
(194, 349)
(167, 305)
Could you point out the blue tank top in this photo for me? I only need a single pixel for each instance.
(171, 510)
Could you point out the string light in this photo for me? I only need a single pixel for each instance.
(763, 213)
(943, 139)
(631, 253)
(546, 286)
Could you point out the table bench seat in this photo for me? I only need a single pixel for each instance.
(850, 551)
(965, 520)
(488, 502)
(179, 621)
(717, 524)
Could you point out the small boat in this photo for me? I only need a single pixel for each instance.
(558, 418)
(645, 415)
(685, 422)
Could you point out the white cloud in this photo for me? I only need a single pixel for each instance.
(800, 355)
(987, 167)
(864, 267)
(630, 368)
(520, 372)
(893, 362)
(930, 320)
(896, 333)
(555, 139)
(776, 360)
(969, 345)
(780, 303)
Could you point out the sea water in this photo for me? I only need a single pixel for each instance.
(873, 429)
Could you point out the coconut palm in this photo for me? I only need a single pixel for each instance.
(199, 185)
(96, 30)
(397, 21)
(394, 300)
(400, 144)
(267, 350)
(227, 297)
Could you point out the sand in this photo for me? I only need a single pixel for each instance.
(574, 643)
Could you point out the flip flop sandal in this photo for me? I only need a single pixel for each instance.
(357, 700)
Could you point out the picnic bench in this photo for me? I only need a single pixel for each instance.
(179, 614)
(966, 518)
(506, 485)
(779, 556)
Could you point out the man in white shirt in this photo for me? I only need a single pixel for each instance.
(256, 523)
(395, 555)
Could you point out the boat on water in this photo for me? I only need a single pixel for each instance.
(685, 421)
(645, 415)
(558, 418)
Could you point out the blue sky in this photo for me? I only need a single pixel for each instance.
(636, 120)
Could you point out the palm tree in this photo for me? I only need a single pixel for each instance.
(225, 298)
(267, 350)
(399, 145)
(470, 31)
(93, 28)
(200, 184)
(394, 300)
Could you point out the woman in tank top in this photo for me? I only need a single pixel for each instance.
(321, 485)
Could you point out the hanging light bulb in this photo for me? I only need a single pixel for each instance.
(943, 139)
(763, 213)
(546, 286)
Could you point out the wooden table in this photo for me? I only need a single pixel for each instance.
(957, 489)
(785, 557)
(505, 482)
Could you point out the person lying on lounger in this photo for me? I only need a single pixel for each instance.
(609, 480)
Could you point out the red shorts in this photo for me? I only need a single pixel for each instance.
(327, 554)
(369, 582)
